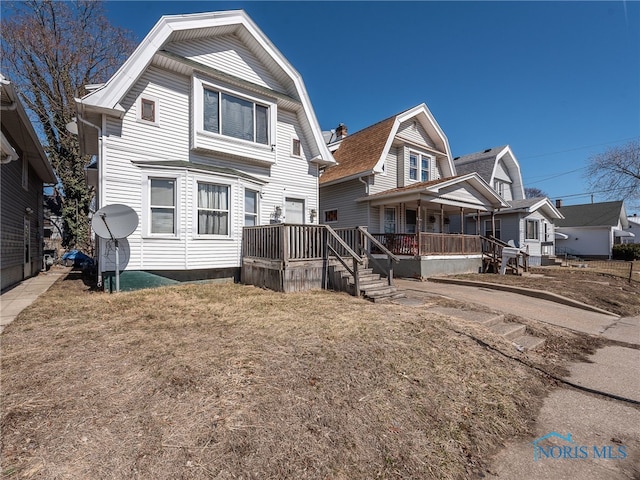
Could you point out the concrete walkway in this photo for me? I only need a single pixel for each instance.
(608, 429)
(20, 296)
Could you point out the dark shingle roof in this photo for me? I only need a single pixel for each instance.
(480, 162)
(591, 214)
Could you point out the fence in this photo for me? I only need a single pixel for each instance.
(617, 268)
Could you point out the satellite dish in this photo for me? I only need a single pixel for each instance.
(114, 221)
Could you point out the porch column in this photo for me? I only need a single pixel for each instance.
(462, 229)
(441, 228)
(493, 223)
(419, 226)
(477, 222)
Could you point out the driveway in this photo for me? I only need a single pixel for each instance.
(604, 432)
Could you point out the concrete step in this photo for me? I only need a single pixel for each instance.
(508, 330)
(527, 342)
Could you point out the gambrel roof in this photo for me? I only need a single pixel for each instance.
(364, 152)
(277, 75)
(486, 163)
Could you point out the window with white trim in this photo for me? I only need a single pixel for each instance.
(213, 209)
(296, 148)
(488, 228)
(418, 166)
(250, 208)
(532, 230)
(235, 117)
(162, 206)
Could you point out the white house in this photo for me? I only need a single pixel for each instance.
(528, 222)
(634, 228)
(206, 128)
(593, 228)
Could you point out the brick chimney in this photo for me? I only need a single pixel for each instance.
(558, 203)
(341, 131)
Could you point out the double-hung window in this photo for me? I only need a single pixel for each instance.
(250, 208)
(213, 209)
(162, 204)
(488, 228)
(533, 230)
(418, 167)
(235, 117)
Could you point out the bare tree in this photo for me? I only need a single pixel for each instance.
(615, 173)
(533, 192)
(50, 51)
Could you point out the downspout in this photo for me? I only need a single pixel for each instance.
(366, 191)
(100, 189)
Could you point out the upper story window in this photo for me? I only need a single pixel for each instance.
(418, 167)
(296, 149)
(235, 117)
(148, 110)
(162, 203)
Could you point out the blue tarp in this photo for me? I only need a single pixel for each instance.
(79, 259)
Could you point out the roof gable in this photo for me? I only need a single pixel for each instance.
(364, 152)
(490, 163)
(226, 33)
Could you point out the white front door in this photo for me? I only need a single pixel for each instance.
(27, 248)
(294, 210)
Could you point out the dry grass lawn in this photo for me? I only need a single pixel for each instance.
(230, 381)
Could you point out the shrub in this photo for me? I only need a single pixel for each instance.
(627, 251)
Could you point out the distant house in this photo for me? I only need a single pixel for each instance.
(397, 178)
(593, 228)
(527, 222)
(24, 169)
(634, 227)
(204, 130)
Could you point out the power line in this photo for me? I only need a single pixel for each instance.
(579, 148)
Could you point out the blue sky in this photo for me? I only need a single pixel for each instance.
(558, 81)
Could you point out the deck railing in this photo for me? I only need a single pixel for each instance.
(430, 243)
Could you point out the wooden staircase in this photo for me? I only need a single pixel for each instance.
(373, 287)
(492, 258)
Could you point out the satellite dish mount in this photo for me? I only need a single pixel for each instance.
(114, 222)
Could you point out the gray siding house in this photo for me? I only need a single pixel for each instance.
(24, 170)
(529, 223)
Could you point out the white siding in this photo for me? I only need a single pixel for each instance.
(388, 179)
(130, 139)
(342, 197)
(228, 55)
(412, 130)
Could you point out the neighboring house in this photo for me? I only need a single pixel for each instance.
(592, 229)
(527, 222)
(24, 169)
(205, 129)
(398, 178)
(634, 227)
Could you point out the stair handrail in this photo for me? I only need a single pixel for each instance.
(390, 256)
(497, 246)
(358, 260)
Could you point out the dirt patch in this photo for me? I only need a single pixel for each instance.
(230, 381)
(611, 293)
